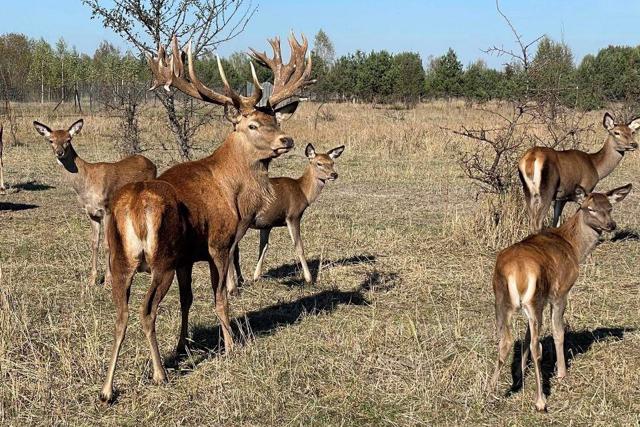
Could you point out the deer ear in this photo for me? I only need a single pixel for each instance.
(618, 194)
(608, 122)
(634, 124)
(310, 152)
(42, 129)
(579, 195)
(336, 152)
(75, 128)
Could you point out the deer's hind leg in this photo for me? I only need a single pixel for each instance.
(534, 315)
(120, 292)
(504, 313)
(160, 282)
(95, 244)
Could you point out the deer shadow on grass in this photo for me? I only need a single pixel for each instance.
(207, 341)
(15, 207)
(292, 271)
(625, 234)
(575, 344)
(32, 186)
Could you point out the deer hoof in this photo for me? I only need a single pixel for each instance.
(106, 397)
(541, 406)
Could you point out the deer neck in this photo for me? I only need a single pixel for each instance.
(310, 184)
(581, 237)
(75, 169)
(606, 160)
(243, 173)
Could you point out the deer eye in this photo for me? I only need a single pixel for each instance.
(253, 126)
(616, 132)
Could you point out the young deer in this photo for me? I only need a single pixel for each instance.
(2, 187)
(199, 210)
(542, 269)
(94, 183)
(286, 205)
(548, 175)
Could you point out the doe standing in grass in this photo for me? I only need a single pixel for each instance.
(94, 183)
(548, 175)
(542, 269)
(287, 202)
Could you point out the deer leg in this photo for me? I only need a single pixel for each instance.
(534, 315)
(186, 299)
(558, 206)
(160, 283)
(218, 269)
(232, 279)
(525, 351)
(262, 252)
(105, 224)
(2, 187)
(505, 341)
(120, 291)
(95, 243)
(557, 325)
(236, 264)
(294, 230)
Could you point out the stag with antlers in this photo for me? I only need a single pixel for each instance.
(199, 210)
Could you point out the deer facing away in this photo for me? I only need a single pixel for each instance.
(548, 175)
(94, 183)
(199, 210)
(542, 269)
(289, 199)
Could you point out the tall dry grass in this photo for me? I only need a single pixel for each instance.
(398, 329)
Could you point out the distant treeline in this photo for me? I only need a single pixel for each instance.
(33, 70)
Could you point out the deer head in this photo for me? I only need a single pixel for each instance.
(322, 163)
(258, 128)
(60, 140)
(622, 134)
(597, 207)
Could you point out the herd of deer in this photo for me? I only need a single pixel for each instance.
(200, 210)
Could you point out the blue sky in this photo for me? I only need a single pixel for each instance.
(426, 27)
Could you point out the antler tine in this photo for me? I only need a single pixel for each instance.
(287, 79)
(172, 74)
(237, 100)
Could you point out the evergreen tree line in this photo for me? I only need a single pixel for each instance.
(34, 70)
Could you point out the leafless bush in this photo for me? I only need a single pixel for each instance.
(126, 102)
(491, 163)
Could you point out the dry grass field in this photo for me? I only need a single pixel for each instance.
(398, 329)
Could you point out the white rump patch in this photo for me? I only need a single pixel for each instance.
(133, 243)
(513, 291)
(516, 298)
(537, 175)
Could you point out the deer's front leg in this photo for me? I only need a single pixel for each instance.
(95, 243)
(105, 228)
(294, 230)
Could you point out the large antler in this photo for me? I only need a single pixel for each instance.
(287, 79)
(171, 73)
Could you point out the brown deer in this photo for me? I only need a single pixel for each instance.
(542, 269)
(2, 187)
(199, 210)
(94, 183)
(290, 198)
(548, 175)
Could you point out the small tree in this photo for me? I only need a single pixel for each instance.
(408, 78)
(445, 76)
(147, 24)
